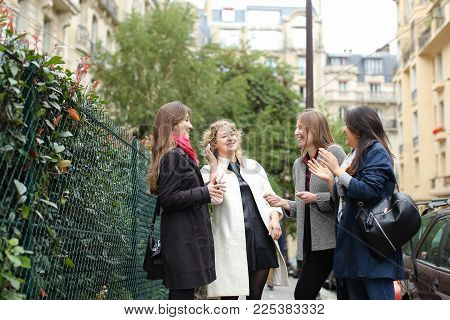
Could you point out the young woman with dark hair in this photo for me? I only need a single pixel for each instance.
(367, 176)
(186, 237)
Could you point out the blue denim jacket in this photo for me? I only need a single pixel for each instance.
(374, 181)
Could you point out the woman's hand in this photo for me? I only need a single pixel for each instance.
(276, 201)
(319, 170)
(307, 197)
(213, 163)
(216, 190)
(209, 155)
(274, 226)
(329, 160)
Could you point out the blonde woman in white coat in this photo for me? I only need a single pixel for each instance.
(245, 228)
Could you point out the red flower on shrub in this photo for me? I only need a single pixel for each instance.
(438, 129)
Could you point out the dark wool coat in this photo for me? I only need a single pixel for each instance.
(186, 237)
(374, 181)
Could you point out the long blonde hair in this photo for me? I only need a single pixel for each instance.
(210, 136)
(168, 116)
(315, 122)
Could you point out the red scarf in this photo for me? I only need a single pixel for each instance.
(184, 143)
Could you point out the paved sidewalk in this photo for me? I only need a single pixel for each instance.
(287, 293)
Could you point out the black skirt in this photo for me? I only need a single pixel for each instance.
(261, 251)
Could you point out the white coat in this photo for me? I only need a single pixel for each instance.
(228, 230)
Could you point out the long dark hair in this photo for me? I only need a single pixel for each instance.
(366, 124)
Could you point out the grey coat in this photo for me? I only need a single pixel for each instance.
(323, 232)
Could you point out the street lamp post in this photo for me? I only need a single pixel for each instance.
(309, 58)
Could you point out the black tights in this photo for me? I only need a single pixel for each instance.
(181, 294)
(315, 270)
(257, 281)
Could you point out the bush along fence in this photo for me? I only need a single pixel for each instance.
(74, 206)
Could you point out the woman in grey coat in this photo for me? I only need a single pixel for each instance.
(316, 236)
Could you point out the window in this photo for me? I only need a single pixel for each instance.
(374, 66)
(413, 84)
(301, 91)
(442, 163)
(441, 114)
(263, 17)
(46, 39)
(415, 125)
(271, 62)
(444, 260)
(342, 112)
(21, 23)
(108, 41)
(416, 171)
(338, 61)
(426, 219)
(229, 38)
(302, 65)
(94, 33)
(228, 15)
(438, 66)
(298, 36)
(429, 251)
(266, 40)
(342, 86)
(375, 89)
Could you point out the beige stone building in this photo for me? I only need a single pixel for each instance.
(275, 27)
(423, 83)
(73, 28)
(353, 80)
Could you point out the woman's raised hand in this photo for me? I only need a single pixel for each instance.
(329, 160)
(210, 155)
(320, 170)
(276, 201)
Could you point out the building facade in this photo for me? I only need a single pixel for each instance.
(276, 27)
(353, 80)
(423, 83)
(73, 28)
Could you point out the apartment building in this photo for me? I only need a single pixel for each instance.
(73, 28)
(275, 27)
(422, 81)
(354, 80)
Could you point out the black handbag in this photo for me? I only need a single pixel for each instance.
(389, 224)
(153, 261)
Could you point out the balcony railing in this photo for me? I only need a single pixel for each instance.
(415, 142)
(82, 38)
(379, 96)
(111, 7)
(439, 17)
(424, 37)
(440, 182)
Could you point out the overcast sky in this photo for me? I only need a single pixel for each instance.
(358, 25)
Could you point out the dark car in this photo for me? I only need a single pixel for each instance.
(426, 256)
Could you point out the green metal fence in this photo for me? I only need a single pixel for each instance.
(89, 238)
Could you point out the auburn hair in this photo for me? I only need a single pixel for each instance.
(315, 122)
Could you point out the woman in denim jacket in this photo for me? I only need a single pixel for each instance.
(368, 176)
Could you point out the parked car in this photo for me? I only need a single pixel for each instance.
(426, 257)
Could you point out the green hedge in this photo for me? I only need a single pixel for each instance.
(74, 206)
